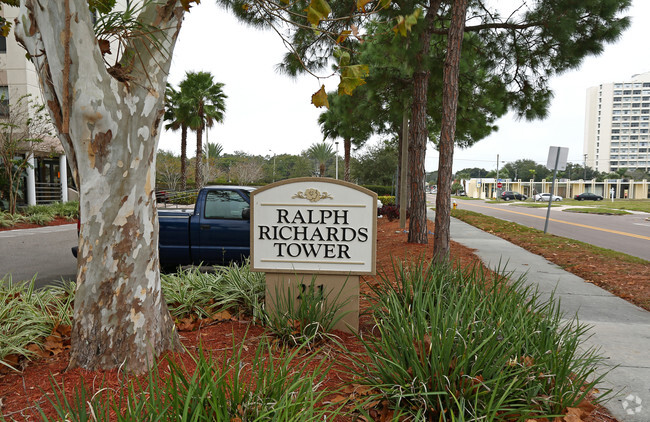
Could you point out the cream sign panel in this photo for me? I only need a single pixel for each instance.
(313, 225)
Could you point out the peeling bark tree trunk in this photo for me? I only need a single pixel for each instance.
(448, 130)
(109, 130)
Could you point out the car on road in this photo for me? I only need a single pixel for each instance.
(544, 197)
(508, 195)
(588, 196)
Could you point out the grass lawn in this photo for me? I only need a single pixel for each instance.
(624, 275)
(642, 205)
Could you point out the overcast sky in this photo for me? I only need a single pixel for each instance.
(268, 113)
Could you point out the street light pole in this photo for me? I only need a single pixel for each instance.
(337, 160)
(496, 187)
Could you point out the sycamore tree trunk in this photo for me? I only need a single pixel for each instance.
(109, 130)
(448, 130)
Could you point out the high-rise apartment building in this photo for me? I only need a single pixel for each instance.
(617, 125)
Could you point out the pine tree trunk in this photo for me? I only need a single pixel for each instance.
(418, 134)
(417, 147)
(109, 130)
(448, 130)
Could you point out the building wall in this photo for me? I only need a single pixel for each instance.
(15, 70)
(486, 188)
(45, 182)
(617, 125)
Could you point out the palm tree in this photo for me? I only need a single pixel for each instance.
(321, 153)
(207, 101)
(344, 120)
(177, 114)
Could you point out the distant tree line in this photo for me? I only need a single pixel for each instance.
(374, 165)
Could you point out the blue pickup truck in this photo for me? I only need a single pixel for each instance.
(217, 231)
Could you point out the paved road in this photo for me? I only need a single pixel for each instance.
(624, 233)
(43, 251)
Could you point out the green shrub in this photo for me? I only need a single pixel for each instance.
(453, 344)
(10, 220)
(183, 198)
(387, 199)
(380, 189)
(41, 218)
(69, 210)
(201, 292)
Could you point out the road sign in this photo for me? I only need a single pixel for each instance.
(557, 158)
(499, 185)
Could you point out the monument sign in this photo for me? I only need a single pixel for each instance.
(315, 227)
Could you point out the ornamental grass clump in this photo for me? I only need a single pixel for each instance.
(10, 220)
(191, 291)
(270, 387)
(202, 292)
(455, 344)
(28, 317)
(304, 314)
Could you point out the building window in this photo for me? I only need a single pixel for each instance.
(3, 44)
(4, 100)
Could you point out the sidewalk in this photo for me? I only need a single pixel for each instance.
(620, 329)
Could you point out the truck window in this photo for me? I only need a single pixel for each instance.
(224, 204)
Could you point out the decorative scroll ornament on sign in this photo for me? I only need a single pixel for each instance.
(313, 195)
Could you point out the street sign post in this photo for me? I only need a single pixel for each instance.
(557, 157)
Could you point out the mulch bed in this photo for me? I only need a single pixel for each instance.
(58, 221)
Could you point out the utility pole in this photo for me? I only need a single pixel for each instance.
(585, 175)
